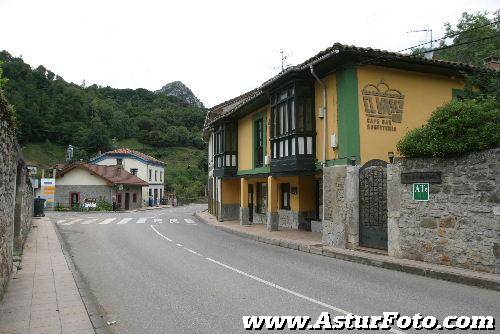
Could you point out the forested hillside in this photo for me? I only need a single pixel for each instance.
(53, 113)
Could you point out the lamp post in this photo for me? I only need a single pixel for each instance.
(391, 157)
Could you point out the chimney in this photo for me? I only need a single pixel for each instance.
(492, 62)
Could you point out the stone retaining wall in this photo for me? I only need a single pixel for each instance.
(16, 196)
(460, 224)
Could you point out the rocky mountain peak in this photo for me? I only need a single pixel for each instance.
(180, 90)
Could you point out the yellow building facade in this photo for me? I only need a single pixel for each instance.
(270, 146)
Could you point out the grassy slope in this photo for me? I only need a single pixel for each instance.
(44, 155)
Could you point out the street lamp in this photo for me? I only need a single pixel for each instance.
(391, 157)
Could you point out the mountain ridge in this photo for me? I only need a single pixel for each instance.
(180, 90)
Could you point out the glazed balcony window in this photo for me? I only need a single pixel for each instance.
(225, 148)
(293, 129)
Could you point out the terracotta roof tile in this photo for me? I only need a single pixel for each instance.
(112, 174)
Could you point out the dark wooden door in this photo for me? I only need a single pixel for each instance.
(373, 204)
(250, 202)
(127, 201)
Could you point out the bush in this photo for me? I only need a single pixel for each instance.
(103, 205)
(454, 129)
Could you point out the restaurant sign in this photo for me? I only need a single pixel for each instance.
(384, 106)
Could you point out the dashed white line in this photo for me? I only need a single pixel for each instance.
(174, 221)
(107, 221)
(124, 221)
(158, 220)
(192, 251)
(161, 235)
(180, 245)
(61, 221)
(189, 221)
(90, 221)
(276, 286)
(141, 221)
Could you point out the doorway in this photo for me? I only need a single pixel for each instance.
(127, 201)
(250, 202)
(74, 199)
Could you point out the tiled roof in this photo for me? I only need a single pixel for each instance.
(134, 153)
(377, 56)
(227, 107)
(112, 174)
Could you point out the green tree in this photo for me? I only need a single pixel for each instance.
(455, 129)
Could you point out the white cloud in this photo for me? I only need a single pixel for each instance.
(218, 48)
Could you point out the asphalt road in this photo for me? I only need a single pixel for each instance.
(177, 275)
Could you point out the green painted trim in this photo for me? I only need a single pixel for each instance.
(456, 93)
(348, 113)
(259, 170)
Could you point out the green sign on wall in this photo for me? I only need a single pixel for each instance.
(420, 191)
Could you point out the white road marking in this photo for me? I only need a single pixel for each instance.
(161, 235)
(174, 221)
(180, 245)
(158, 220)
(107, 221)
(90, 221)
(192, 251)
(60, 221)
(141, 221)
(189, 221)
(276, 286)
(71, 222)
(124, 221)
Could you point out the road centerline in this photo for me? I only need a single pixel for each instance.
(297, 294)
(161, 235)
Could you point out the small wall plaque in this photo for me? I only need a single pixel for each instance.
(294, 191)
(419, 177)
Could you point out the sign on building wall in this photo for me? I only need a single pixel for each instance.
(383, 105)
(47, 191)
(421, 191)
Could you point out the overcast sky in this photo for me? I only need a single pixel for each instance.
(219, 49)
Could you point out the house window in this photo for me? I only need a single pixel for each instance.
(261, 197)
(259, 143)
(156, 175)
(133, 171)
(134, 198)
(292, 121)
(119, 161)
(150, 192)
(150, 174)
(161, 176)
(225, 145)
(285, 196)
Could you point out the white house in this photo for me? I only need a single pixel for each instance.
(142, 165)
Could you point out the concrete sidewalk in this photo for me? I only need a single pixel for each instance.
(42, 296)
(311, 243)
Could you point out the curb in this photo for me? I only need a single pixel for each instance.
(406, 266)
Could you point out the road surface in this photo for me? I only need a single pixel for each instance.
(162, 271)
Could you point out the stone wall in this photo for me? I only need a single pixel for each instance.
(341, 198)
(98, 192)
(16, 196)
(460, 224)
(229, 212)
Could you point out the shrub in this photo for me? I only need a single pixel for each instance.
(455, 129)
(103, 205)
